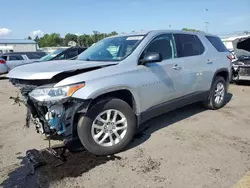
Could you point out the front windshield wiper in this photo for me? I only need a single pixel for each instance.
(98, 59)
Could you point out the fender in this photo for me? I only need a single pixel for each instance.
(106, 90)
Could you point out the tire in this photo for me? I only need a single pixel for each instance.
(86, 129)
(211, 102)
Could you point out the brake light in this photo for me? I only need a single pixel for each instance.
(2, 61)
(230, 57)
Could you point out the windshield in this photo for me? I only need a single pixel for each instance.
(111, 49)
(48, 57)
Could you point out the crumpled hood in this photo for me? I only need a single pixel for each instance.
(242, 46)
(47, 70)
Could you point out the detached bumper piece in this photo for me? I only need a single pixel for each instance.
(35, 159)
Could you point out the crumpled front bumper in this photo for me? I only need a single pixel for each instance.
(71, 108)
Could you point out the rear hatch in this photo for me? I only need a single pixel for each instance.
(242, 49)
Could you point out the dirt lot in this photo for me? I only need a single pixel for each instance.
(190, 147)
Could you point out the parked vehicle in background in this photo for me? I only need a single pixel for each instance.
(3, 67)
(6, 49)
(241, 63)
(62, 53)
(15, 59)
(122, 81)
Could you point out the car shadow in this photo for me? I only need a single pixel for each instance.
(21, 177)
(243, 83)
(76, 164)
(146, 129)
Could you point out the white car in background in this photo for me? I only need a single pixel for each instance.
(14, 59)
(3, 67)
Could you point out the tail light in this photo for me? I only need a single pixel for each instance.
(230, 57)
(2, 61)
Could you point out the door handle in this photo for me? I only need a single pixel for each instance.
(176, 67)
(209, 62)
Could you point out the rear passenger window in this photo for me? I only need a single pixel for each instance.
(188, 45)
(217, 43)
(15, 57)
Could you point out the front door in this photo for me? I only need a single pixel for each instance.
(159, 82)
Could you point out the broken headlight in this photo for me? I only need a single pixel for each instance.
(44, 94)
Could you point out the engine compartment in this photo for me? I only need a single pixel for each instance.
(53, 118)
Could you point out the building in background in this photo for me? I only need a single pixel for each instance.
(17, 45)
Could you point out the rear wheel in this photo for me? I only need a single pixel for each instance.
(107, 127)
(218, 93)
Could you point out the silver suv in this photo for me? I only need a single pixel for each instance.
(103, 96)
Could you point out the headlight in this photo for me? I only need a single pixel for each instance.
(54, 93)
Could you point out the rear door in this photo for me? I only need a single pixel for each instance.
(190, 52)
(217, 58)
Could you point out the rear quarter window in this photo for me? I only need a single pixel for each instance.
(217, 43)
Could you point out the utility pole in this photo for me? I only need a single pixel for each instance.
(206, 26)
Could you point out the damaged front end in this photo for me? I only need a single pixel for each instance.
(53, 110)
(241, 66)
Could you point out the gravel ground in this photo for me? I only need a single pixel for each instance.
(190, 147)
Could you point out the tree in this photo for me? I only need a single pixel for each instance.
(54, 39)
(36, 39)
(29, 37)
(113, 33)
(69, 37)
(193, 30)
(49, 40)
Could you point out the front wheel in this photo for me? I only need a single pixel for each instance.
(107, 127)
(218, 94)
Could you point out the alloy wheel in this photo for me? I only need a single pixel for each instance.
(219, 93)
(109, 127)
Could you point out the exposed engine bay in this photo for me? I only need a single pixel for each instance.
(52, 109)
(241, 64)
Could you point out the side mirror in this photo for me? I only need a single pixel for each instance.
(151, 57)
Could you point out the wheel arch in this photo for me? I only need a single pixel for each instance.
(223, 72)
(123, 93)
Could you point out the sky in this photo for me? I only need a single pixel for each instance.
(23, 18)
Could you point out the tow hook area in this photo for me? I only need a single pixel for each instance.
(55, 118)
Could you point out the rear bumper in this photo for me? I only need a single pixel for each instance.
(3, 69)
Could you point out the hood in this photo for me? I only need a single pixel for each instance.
(242, 47)
(49, 69)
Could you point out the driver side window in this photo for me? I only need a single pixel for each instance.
(164, 45)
